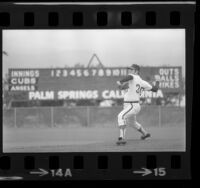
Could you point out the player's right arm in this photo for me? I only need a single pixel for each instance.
(126, 79)
(123, 84)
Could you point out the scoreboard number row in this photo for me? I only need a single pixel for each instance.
(87, 72)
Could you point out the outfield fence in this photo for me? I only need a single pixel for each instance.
(159, 116)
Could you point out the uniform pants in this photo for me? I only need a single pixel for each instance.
(129, 109)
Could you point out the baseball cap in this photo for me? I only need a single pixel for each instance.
(134, 66)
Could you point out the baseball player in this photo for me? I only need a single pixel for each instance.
(133, 85)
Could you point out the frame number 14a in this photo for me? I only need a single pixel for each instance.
(61, 173)
(53, 173)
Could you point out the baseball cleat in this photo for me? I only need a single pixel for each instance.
(143, 137)
(121, 141)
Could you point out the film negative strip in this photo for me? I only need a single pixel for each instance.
(76, 75)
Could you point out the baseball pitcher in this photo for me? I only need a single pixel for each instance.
(133, 85)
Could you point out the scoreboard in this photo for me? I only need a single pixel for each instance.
(87, 83)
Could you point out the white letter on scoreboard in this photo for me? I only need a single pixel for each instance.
(31, 95)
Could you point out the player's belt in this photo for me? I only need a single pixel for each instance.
(131, 101)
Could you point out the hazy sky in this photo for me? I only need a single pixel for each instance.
(57, 48)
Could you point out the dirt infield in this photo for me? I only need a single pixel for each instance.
(102, 139)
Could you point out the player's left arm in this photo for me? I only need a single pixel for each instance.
(149, 87)
(155, 87)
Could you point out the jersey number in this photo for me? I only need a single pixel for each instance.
(139, 89)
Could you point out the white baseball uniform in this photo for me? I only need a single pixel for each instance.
(132, 98)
